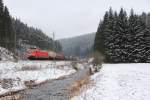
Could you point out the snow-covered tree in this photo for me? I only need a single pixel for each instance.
(123, 39)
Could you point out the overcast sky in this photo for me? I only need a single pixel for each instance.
(69, 18)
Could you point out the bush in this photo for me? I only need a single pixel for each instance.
(98, 58)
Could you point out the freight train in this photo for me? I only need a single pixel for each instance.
(38, 54)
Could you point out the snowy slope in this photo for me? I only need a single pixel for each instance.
(82, 43)
(5, 54)
(119, 82)
(37, 71)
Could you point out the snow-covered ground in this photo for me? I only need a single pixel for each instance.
(119, 82)
(13, 75)
(5, 54)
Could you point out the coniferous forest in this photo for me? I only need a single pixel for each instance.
(13, 33)
(6, 29)
(123, 38)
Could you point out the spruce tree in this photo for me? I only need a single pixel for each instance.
(8, 30)
(111, 37)
(100, 36)
(148, 20)
(1, 24)
(123, 39)
(136, 29)
(121, 31)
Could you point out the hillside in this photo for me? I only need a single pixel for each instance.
(17, 37)
(79, 45)
(30, 35)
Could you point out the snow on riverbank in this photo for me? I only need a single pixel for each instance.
(119, 82)
(13, 75)
(5, 54)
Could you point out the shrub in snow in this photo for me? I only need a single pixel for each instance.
(9, 83)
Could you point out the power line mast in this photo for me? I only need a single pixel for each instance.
(15, 47)
(54, 41)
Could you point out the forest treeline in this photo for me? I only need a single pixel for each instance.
(33, 36)
(123, 38)
(13, 33)
(7, 39)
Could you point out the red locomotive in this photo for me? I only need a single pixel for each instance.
(37, 54)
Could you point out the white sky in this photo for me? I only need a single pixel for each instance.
(69, 18)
